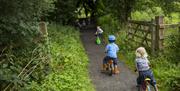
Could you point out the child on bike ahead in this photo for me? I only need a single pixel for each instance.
(143, 68)
(99, 31)
(111, 53)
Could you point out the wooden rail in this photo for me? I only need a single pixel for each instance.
(171, 25)
(156, 27)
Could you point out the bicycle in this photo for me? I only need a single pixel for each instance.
(110, 67)
(146, 85)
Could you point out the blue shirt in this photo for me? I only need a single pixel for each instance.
(112, 50)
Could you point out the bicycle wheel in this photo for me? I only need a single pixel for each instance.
(150, 88)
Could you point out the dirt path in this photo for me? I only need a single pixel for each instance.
(125, 81)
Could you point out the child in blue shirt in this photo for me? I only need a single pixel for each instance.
(142, 66)
(111, 53)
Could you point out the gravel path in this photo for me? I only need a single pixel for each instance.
(124, 81)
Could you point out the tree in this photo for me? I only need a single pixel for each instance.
(18, 19)
(119, 8)
(67, 10)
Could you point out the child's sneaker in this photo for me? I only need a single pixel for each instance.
(116, 71)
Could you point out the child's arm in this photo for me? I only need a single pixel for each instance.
(106, 49)
(136, 69)
(99, 30)
(149, 63)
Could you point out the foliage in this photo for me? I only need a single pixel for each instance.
(21, 59)
(69, 63)
(22, 65)
(167, 6)
(64, 11)
(67, 11)
(123, 9)
(173, 48)
(148, 14)
(90, 6)
(120, 9)
(163, 64)
(106, 21)
(18, 20)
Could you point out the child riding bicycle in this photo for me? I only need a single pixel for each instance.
(111, 54)
(98, 35)
(99, 31)
(143, 68)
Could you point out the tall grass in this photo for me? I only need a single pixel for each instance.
(69, 63)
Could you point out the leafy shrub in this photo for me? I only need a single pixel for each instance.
(109, 23)
(173, 48)
(22, 65)
(69, 63)
(19, 20)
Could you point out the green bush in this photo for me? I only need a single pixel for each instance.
(19, 20)
(19, 66)
(69, 63)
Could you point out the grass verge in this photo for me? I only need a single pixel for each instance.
(69, 63)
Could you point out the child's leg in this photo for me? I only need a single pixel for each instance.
(150, 75)
(153, 81)
(138, 81)
(116, 71)
(141, 77)
(105, 63)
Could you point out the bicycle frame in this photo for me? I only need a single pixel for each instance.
(147, 81)
(145, 86)
(110, 67)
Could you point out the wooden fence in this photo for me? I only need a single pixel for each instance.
(149, 34)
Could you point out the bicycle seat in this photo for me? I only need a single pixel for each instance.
(110, 61)
(147, 79)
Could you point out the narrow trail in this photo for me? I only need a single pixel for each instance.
(125, 81)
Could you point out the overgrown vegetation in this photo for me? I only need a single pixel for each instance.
(19, 20)
(69, 63)
(165, 65)
(24, 64)
(22, 60)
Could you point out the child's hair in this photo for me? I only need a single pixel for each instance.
(141, 52)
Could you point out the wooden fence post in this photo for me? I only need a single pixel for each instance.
(43, 28)
(159, 32)
(153, 36)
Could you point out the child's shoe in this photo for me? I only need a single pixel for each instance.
(116, 71)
